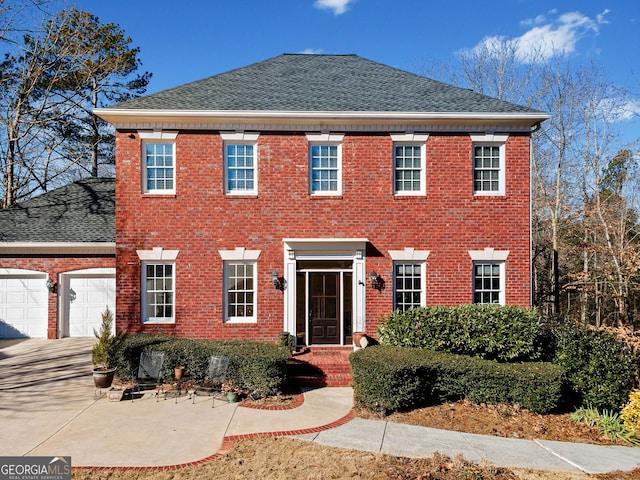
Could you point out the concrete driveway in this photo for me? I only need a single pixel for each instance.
(47, 408)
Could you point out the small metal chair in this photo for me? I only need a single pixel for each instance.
(216, 375)
(148, 373)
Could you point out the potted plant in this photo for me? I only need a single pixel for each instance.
(103, 352)
(288, 341)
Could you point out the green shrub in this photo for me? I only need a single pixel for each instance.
(494, 332)
(599, 368)
(390, 378)
(394, 378)
(608, 422)
(254, 366)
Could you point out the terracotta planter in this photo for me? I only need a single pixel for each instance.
(178, 372)
(357, 338)
(103, 377)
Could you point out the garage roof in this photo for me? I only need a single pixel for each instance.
(81, 212)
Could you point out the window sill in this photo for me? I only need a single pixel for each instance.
(326, 197)
(158, 322)
(241, 195)
(238, 321)
(158, 195)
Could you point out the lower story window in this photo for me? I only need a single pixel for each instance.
(240, 297)
(408, 283)
(158, 283)
(488, 283)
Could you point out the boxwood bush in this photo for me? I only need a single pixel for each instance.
(599, 369)
(393, 378)
(255, 366)
(493, 332)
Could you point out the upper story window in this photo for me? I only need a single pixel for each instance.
(489, 276)
(158, 285)
(409, 164)
(325, 164)
(489, 164)
(241, 163)
(158, 162)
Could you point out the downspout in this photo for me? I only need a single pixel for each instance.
(534, 129)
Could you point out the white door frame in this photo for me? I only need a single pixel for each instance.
(353, 249)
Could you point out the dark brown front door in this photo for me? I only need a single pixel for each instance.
(324, 307)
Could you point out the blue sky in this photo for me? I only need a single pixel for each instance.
(193, 39)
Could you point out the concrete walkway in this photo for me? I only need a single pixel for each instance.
(47, 408)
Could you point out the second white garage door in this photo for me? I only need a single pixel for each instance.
(87, 295)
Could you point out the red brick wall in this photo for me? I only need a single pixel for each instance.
(199, 220)
(53, 266)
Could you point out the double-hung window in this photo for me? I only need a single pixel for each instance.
(325, 164)
(240, 280)
(241, 163)
(408, 285)
(487, 282)
(489, 164)
(158, 291)
(240, 284)
(409, 164)
(489, 276)
(409, 278)
(159, 162)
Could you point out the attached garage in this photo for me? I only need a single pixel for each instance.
(85, 295)
(23, 303)
(57, 261)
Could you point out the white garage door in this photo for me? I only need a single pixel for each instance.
(87, 298)
(23, 304)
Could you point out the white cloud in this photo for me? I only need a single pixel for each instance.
(600, 17)
(312, 51)
(548, 37)
(338, 6)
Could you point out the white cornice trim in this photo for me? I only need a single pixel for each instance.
(53, 248)
(305, 120)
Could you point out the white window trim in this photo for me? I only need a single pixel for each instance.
(156, 255)
(411, 255)
(153, 137)
(491, 140)
(412, 139)
(325, 139)
(145, 319)
(240, 255)
(240, 138)
(490, 255)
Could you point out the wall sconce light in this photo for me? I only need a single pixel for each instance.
(376, 281)
(52, 286)
(278, 283)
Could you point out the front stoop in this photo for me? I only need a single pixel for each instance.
(320, 367)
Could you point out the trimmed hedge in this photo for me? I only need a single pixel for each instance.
(254, 366)
(493, 332)
(393, 378)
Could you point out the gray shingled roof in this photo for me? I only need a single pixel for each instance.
(81, 212)
(321, 83)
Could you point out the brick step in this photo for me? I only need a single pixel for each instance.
(320, 367)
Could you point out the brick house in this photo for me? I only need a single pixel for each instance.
(57, 261)
(313, 194)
